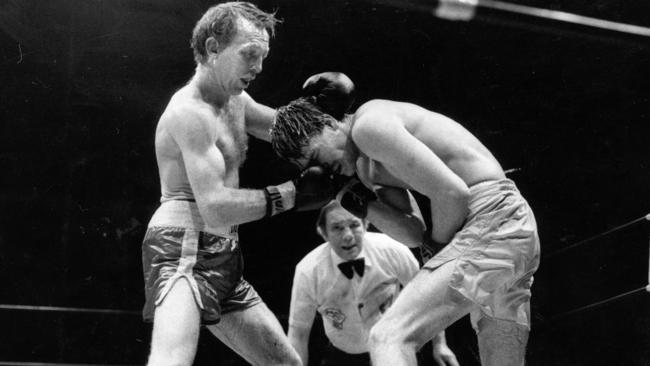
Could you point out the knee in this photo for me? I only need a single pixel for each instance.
(170, 358)
(289, 359)
(286, 362)
(293, 360)
(384, 334)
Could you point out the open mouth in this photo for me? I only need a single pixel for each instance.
(348, 247)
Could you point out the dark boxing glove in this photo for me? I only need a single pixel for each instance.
(355, 197)
(315, 187)
(333, 92)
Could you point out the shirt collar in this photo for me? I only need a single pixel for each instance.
(363, 254)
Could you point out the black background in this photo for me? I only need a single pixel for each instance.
(82, 83)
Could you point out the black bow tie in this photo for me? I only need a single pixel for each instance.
(347, 267)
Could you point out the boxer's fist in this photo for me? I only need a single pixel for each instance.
(354, 197)
(315, 187)
(333, 92)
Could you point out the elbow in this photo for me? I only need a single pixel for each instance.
(453, 202)
(460, 202)
(212, 213)
(460, 196)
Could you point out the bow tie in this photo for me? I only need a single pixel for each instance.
(347, 267)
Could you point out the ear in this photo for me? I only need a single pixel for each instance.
(321, 233)
(211, 46)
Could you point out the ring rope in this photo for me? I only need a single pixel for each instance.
(67, 309)
(596, 304)
(565, 17)
(466, 10)
(14, 363)
(597, 236)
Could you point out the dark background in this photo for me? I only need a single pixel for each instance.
(82, 83)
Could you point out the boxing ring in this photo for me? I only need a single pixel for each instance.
(486, 11)
(135, 315)
(556, 254)
(522, 16)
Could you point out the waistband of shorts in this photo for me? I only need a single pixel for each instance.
(185, 214)
(490, 187)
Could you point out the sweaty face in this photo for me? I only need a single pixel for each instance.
(328, 150)
(237, 65)
(344, 232)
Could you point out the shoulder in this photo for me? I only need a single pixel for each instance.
(381, 240)
(369, 111)
(373, 105)
(375, 121)
(245, 98)
(386, 245)
(190, 122)
(248, 104)
(184, 112)
(314, 259)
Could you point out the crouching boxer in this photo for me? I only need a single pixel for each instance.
(486, 229)
(351, 280)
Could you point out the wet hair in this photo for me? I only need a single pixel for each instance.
(294, 126)
(220, 22)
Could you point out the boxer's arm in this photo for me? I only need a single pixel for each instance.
(206, 169)
(259, 118)
(383, 137)
(396, 214)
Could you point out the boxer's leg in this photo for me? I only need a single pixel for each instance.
(175, 327)
(501, 342)
(256, 335)
(425, 307)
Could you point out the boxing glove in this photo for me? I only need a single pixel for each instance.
(315, 187)
(333, 92)
(355, 197)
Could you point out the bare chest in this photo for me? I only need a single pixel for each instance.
(230, 136)
(373, 172)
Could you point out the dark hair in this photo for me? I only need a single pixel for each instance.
(321, 222)
(294, 125)
(220, 22)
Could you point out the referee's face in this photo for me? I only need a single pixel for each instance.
(345, 233)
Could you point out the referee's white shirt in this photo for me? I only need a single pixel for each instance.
(350, 307)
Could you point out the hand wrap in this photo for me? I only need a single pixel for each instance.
(280, 198)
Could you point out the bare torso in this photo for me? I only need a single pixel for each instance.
(463, 153)
(227, 130)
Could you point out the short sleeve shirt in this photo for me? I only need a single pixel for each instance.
(350, 307)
